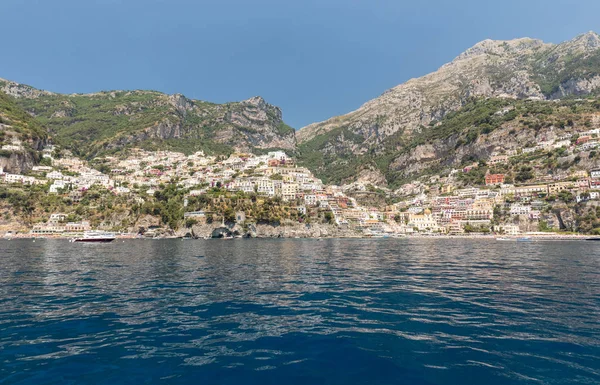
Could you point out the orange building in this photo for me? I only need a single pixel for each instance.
(583, 139)
(492, 179)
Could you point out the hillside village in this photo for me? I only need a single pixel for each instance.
(477, 198)
(502, 140)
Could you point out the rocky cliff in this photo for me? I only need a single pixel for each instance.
(21, 137)
(382, 128)
(296, 230)
(102, 122)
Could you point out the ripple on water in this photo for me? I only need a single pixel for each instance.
(300, 311)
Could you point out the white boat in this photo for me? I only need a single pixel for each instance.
(524, 239)
(96, 237)
(503, 239)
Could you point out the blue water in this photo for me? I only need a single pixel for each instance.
(300, 312)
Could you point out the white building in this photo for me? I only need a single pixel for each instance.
(519, 209)
(289, 191)
(58, 184)
(310, 200)
(195, 214)
(122, 190)
(467, 192)
(244, 185)
(54, 175)
(424, 222)
(562, 143)
(507, 229)
(265, 186)
(13, 178)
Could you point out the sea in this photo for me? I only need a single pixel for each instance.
(300, 311)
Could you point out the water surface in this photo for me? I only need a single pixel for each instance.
(300, 312)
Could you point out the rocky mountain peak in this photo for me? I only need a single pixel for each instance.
(511, 70)
(256, 101)
(261, 104)
(17, 90)
(501, 47)
(586, 42)
(180, 102)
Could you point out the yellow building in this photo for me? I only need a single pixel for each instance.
(424, 222)
(484, 204)
(555, 188)
(447, 189)
(530, 189)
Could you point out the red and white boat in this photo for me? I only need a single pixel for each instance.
(96, 237)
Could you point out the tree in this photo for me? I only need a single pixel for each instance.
(524, 174)
(229, 215)
(565, 196)
(543, 226)
(585, 195)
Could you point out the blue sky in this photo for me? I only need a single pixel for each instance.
(313, 58)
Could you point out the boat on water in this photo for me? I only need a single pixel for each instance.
(518, 239)
(593, 239)
(96, 237)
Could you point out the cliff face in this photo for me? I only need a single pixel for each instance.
(21, 137)
(526, 125)
(18, 162)
(517, 69)
(109, 121)
(296, 230)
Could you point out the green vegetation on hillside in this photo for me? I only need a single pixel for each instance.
(103, 208)
(86, 123)
(456, 130)
(477, 116)
(20, 122)
(532, 116)
(108, 122)
(17, 127)
(320, 156)
(550, 77)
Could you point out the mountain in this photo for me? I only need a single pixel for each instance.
(22, 137)
(373, 142)
(92, 124)
(496, 96)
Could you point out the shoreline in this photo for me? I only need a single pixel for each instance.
(493, 237)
